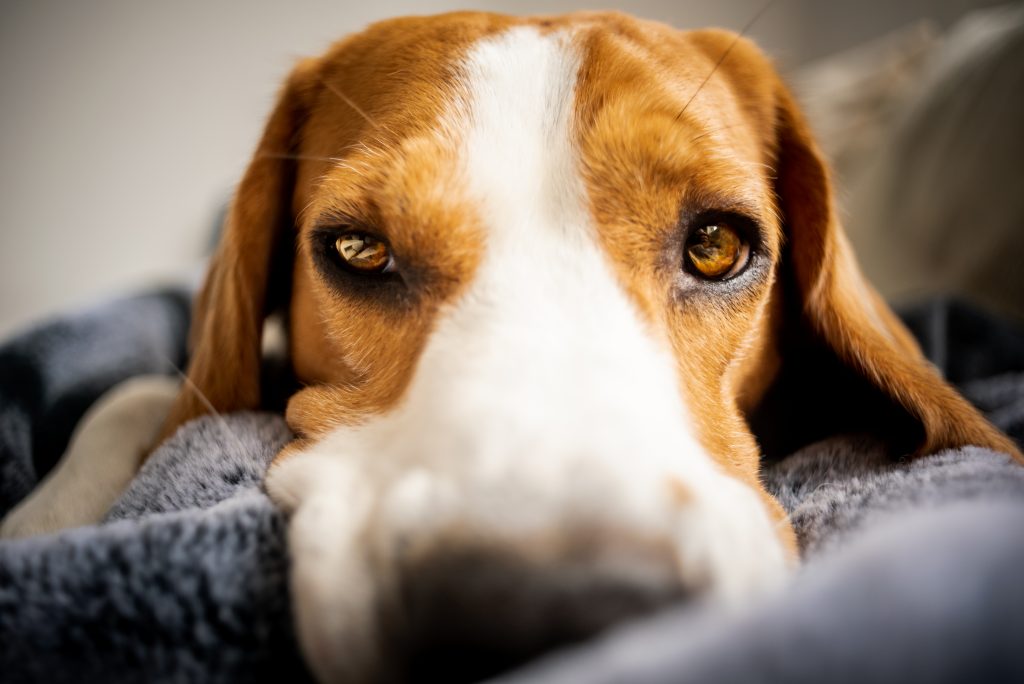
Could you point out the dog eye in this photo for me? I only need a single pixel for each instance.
(717, 251)
(363, 253)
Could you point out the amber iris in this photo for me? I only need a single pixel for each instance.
(715, 250)
(363, 253)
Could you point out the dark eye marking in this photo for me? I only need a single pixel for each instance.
(355, 260)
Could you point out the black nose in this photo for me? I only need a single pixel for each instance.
(474, 611)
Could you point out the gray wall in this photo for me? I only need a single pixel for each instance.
(124, 124)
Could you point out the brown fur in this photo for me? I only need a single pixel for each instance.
(650, 146)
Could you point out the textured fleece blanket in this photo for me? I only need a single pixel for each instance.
(912, 570)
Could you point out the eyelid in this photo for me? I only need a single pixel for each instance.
(339, 224)
(323, 235)
(750, 228)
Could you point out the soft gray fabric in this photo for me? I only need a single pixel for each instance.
(200, 594)
(834, 489)
(912, 571)
(50, 374)
(212, 460)
(187, 583)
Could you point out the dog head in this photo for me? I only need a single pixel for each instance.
(550, 284)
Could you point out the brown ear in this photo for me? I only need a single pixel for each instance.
(256, 248)
(847, 363)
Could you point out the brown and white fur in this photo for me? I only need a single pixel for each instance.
(541, 382)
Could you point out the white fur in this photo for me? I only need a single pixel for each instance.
(542, 401)
(103, 456)
(332, 504)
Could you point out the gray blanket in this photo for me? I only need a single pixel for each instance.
(911, 570)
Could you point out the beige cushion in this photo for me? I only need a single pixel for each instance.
(928, 144)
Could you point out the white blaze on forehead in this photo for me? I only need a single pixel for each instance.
(541, 384)
(543, 369)
(519, 151)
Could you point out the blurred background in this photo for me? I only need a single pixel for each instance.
(124, 126)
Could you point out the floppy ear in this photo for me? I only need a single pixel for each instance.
(847, 363)
(256, 248)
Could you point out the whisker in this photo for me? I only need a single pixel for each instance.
(218, 416)
(712, 132)
(296, 157)
(725, 54)
(347, 100)
(379, 152)
(302, 216)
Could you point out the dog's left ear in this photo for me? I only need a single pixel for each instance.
(249, 271)
(847, 363)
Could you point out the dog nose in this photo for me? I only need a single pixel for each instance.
(472, 610)
(443, 576)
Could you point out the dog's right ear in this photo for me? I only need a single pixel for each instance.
(848, 365)
(256, 247)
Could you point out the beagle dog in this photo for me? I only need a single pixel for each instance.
(553, 288)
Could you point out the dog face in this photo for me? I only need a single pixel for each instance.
(554, 286)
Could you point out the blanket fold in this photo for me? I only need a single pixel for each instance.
(911, 572)
(52, 373)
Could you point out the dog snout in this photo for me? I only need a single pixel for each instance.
(469, 608)
(475, 593)
(452, 575)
